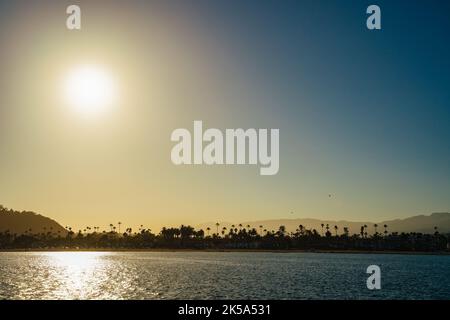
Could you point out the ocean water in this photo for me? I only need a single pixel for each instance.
(219, 275)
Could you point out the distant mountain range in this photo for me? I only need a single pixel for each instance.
(27, 221)
(421, 223)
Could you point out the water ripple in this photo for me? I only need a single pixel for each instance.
(219, 275)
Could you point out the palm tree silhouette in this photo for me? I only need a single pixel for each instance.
(217, 228)
(282, 230)
(375, 226)
(336, 230)
(346, 231)
(322, 225)
(301, 229)
(119, 223)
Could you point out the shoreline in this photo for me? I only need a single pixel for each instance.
(441, 253)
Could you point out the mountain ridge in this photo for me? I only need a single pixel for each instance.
(419, 223)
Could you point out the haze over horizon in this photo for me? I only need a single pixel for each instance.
(363, 116)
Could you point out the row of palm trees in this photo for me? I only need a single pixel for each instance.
(301, 229)
(236, 236)
(233, 230)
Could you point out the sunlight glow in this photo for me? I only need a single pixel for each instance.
(90, 90)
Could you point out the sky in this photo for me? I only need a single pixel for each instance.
(363, 115)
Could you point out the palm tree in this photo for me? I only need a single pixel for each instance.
(346, 231)
(375, 226)
(240, 226)
(385, 229)
(322, 225)
(119, 223)
(217, 228)
(301, 229)
(260, 229)
(336, 230)
(282, 230)
(207, 231)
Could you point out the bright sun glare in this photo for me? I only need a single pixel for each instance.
(90, 90)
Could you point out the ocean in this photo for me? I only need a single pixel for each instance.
(220, 275)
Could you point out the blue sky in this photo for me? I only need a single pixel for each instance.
(371, 101)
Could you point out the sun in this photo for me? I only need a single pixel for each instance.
(90, 90)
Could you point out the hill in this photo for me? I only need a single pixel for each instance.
(21, 222)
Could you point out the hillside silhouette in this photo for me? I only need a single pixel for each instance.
(22, 222)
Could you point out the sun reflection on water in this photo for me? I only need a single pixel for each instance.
(76, 275)
(71, 275)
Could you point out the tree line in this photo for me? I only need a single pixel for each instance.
(234, 237)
